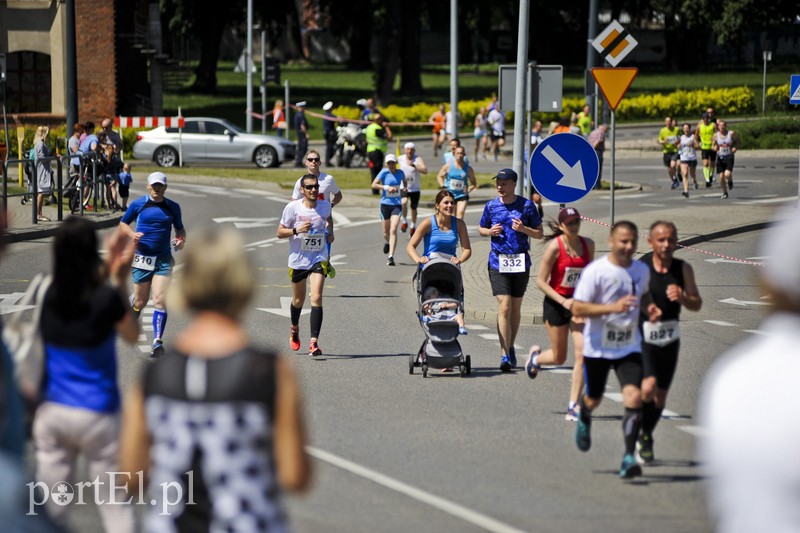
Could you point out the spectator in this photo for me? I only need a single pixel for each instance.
(124, 180)
(563, 125)
(73, 148)
(301, 128)
(112, 137)
(598, 141)
(44, 170)
(573, 125)
(279, 119)
(329, 132)
(251, 442)
(585, 121)
(378, 136)
(497, 121)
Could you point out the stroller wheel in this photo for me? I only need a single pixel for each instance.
(411, 360)
(468, 365)
(424, 370)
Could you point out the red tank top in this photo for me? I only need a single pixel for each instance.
(566, 270)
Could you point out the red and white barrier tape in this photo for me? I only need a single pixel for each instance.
(343, 119)
(601, 223)
(148, 122)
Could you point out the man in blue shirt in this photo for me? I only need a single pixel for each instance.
(301, 127)
(329, 132)
(155, 216)
(510, 220)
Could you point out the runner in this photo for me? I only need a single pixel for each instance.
(725, 144)
(668, 138)
(155, 216)
(458, 177)
(609, 294)
(688, 146)
(705, 134)
(412, 166)
(391, 182)
(672, 286)
(308, 223)
(441, 233)
(438, 120)
(566, 255)
(510, 220)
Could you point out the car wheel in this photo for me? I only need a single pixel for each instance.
(265, 156)
(165, 156)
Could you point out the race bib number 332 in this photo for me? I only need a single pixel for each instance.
(511, 263)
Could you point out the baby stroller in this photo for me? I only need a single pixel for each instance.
(440, 296)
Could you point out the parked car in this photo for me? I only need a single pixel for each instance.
(211, 139)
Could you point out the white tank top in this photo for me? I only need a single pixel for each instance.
(724, 144)
(688, 152)
(411, 172)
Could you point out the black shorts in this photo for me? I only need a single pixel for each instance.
(464, 198)
(513, 284)
(554, 313)
(413, 199)
(724, 163)
(595, 371)
(690, 164)
(660, 361)
(668, 159)
(124, 191)
(708, 154)
(388, 211)
(498, 135)
(299, 275)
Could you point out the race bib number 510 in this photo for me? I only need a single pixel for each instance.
(145, 262)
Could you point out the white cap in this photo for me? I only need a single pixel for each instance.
(361, 102)
(782, 264)
(157, 177)
(328, 105)
(409, 145)
(301, 104)
(390, 157)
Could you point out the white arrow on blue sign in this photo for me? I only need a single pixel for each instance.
(794, 89)
(564, 168)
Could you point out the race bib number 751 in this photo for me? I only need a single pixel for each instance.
(312, 242)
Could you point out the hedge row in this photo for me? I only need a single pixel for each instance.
(778, 98)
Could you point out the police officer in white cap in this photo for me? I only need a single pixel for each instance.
(413, 167)
(301, 127)
(329, 132)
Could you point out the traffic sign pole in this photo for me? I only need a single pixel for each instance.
(613, 165)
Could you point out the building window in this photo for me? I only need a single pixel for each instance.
(28, 82)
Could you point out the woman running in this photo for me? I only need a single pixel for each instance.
(687, 148)
(458, 177)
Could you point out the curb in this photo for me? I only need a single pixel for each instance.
(30, 234)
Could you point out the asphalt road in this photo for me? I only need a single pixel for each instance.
(492, 452)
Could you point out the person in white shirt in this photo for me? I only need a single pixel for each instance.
(609, 295)
(413, 166)
(497, 121)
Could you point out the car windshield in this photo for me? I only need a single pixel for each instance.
(225, 124)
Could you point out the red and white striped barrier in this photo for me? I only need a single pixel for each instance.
(148, 122)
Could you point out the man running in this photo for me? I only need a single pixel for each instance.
(413, 166)
(668, 139)
(725, 144)
(309, 225)
(155, 216)
(672, 286)
(510, 220)
(705, 134)
(609, 294)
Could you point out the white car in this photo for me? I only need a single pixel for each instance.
(212, 140)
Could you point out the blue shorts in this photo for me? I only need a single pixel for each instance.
(163, 267)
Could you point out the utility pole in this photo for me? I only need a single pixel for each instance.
(521, 99)
(454, 65)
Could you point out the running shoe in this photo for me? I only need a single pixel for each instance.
(327, 267)
(685, 194)
(724, 195)
(512, 357)
(629, 468)
(531, 367)
(390, 262)
(158, 349)
(294, 338)
(505, 364)
(136, 312)
(644, 447)
(583, 435)
(573, 412)
(404, 227)
(675, 184)
(463, 331)
(708, 184)
(696, 186)
(730, 184)
(313, 349)
(386, 247)
(411, 231)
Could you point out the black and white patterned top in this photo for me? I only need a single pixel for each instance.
(210, 421)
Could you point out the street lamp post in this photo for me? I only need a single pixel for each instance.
(767, 57)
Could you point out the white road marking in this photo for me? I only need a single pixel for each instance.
(557, 370)
(145, 348)
(339, 219)
(758, 332)
(697, 431)
(283, 310)
(626, 196)
(143, 337)
(490, 336)
(478, 327)
(722, 323)
(769, 200)
(614, 396)
(652, 205)
(459, 511)
(742, 303)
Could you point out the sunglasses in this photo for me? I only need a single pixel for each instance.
(311, 187)
(312, 159)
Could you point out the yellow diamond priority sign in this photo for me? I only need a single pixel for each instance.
(614, 43)
(614, 82)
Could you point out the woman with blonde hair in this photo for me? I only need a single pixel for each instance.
(216, 415)
(44, 172)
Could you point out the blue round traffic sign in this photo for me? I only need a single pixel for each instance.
(564, 168)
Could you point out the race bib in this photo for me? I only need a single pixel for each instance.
(661, 333)
(145, 262)
(456, 185)
(312, 242)
(617, 336)
(511, 263)
(724, 151)
(671, 139)
(571, 276)
(688, 152)
(410, 179)
(395, 194)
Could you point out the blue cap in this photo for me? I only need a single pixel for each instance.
(506, 174)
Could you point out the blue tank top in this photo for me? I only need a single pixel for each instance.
(440, 241)
(457, 180)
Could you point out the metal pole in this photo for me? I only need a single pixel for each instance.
(286, 108)
(767, 57)
(454, 65)
(71, 66)
(180, 140)
(519, 101)
(247, 65)
(613, 166)
(591, 59)
(263, 83)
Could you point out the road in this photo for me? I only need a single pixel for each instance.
(492, 452)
